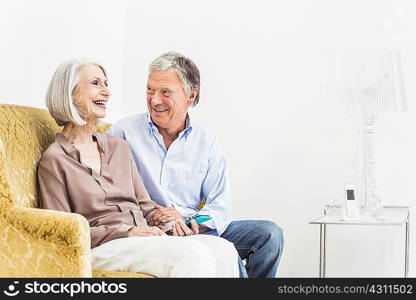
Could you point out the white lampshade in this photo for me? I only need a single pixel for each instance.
(399, 97)
(367, 83)
(372, 82)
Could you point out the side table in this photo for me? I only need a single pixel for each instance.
(392, 216)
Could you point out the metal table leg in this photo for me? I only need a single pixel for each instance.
(322, 248)
(406, 251)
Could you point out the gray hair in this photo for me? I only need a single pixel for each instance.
(184, 67)
(61, 88)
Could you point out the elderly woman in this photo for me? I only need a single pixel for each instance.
(93, 174)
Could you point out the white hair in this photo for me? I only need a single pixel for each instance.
(184, 67)
(61, 88)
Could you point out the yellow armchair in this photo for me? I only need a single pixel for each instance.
(37, 242)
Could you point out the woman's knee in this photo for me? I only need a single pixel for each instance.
(226, 249)
(225, 255)
(196, 260)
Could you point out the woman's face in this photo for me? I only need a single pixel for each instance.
(92, 93)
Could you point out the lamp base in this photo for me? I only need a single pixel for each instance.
(375, 212)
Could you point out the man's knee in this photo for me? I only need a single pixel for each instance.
(271, 232)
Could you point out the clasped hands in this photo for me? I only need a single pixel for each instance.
(164, 215)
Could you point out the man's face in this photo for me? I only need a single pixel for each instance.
(166, 99)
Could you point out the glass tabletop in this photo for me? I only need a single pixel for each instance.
(386, 215)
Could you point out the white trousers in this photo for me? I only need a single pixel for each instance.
(168, 256)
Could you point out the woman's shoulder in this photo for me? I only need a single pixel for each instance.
(52, 157)
(53, 151)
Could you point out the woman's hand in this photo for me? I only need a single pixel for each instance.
(145, 231)
(164, 215)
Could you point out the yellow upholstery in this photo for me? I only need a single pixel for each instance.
(37, 242)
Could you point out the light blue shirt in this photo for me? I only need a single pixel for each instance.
(192, 169)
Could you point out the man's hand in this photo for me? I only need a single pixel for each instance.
(145, 231)
(181, 229)
(165, 214)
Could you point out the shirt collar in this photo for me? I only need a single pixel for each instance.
(72, 151)
(150, 123)
(185, 132)
(188, 126)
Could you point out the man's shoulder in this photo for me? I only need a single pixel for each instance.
(111, 142)
(203, 133)
(130, 121)
(131, 125)
(206, 138)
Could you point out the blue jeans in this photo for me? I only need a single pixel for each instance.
(260, 243)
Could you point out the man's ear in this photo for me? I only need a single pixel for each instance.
(192, 96)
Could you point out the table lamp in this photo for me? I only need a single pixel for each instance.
(375, 84)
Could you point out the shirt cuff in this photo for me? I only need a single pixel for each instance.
(186, 211)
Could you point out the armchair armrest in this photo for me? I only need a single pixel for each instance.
(44, 243)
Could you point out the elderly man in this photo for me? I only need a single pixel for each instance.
(184, 169)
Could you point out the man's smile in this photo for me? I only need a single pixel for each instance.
(160, 110)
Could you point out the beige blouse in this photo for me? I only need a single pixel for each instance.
(112, 202)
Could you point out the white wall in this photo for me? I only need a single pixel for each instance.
(265, 69)
(36, 36)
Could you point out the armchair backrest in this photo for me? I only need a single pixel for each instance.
(25, 132)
